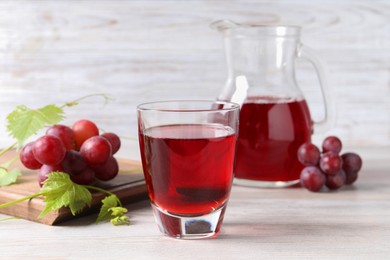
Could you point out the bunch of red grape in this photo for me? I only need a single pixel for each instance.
(328, 169)
(79, 151)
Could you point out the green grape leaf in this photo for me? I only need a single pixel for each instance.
(8, 177)
(120, 220)
(108, 203)
(111, 210)
(59, 191)
(118, 211)
(118, 217)
(23, 122)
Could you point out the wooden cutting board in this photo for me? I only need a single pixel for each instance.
(129, 186)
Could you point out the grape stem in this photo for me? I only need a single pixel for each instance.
(76, 101)
(103, 191)
(20, 200)
(8, 148)
(67, 104)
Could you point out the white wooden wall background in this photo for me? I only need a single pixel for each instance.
(137, 51)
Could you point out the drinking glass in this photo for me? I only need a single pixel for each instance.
(187, 150)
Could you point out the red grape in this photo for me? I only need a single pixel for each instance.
(45, 170)
(351, 177)
(330, 163)
(83, 130)
(86, 177)
(107, 171)
(114, 140)
(49, 150)
(331, 143)
(65, 134)
(335, 181)
(312, 178)
(334, 170)
(78, 151)
(74, 162)
(309, 154)
(351, 162)
(96, 150)
(27, 157)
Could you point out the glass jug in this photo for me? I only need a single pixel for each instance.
(274, 119)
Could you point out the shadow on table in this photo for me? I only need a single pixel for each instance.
(91, 219)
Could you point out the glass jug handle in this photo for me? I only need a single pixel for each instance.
(308, 54)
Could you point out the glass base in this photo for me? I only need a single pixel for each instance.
(264, 184)
(189, 227)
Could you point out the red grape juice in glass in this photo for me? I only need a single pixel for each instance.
(187, 167)
(270, 132)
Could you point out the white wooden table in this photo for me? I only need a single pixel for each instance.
(353, 223)
(57, 51)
